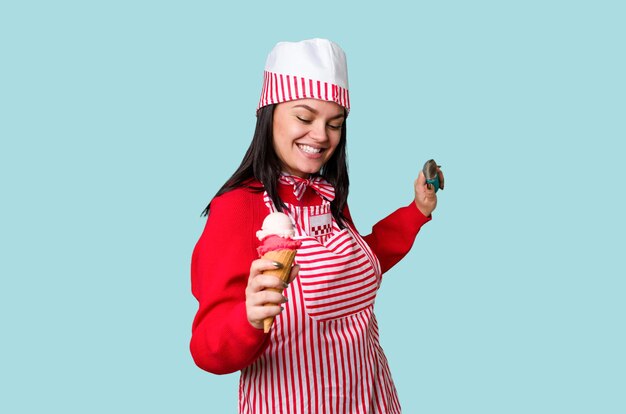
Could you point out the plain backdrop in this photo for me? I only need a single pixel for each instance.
(119, 121)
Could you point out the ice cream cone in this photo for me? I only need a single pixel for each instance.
(284, 257)
(277, 244)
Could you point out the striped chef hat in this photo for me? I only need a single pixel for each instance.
(314, 68)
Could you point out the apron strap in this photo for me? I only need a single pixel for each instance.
(269, 203)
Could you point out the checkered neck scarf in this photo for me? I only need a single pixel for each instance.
(317, 183)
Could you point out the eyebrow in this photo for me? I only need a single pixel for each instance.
(308, 108)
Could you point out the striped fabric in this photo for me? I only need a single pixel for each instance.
(278, 87)
(324, 354)
(319, 184)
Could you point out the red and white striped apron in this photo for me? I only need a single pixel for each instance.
(324, 354)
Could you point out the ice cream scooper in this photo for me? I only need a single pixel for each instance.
(431, 175)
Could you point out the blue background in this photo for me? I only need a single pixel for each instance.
(120, 120)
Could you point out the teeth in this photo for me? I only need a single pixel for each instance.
(309, 150)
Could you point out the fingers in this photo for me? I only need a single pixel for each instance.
(422, 189)
(260, 265)
(256, 314)
(425, 197)
(264, 303)
(421, 179)
(263, 297)
(264, 292)
(260, 281)
(420, 182)
(262, 288)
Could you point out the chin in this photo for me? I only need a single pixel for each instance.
(311, 170)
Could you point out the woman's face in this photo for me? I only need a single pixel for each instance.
(306, 133)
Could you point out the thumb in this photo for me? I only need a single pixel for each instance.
(421, 180)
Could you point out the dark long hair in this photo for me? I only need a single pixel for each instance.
(261, 163)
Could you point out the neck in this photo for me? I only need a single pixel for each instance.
(304, 176)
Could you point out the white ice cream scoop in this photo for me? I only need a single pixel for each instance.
(278, 224)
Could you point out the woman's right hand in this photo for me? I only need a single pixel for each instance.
(259, 293)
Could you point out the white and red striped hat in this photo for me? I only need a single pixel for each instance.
(314, 68)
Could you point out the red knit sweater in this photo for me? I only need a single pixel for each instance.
(223, 341)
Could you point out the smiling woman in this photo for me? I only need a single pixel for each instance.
(306, 134)
(322, 353)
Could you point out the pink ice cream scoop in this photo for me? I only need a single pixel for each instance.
(276, 234)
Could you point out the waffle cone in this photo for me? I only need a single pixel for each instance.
(284, 257)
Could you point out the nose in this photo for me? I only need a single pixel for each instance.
(319, 132)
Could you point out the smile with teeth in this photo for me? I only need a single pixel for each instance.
(309, 149)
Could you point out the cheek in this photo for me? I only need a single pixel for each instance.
(333, 147)
(334, 141)
(279, 139)
(285, 134)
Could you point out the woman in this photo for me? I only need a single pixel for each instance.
(322, 353)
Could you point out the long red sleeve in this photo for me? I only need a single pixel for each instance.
(392, 237)
(223, 340)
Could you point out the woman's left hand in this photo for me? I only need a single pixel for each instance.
(425, 197)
